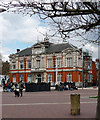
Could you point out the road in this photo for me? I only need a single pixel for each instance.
(53, 104)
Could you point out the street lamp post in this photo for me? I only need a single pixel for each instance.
(82, 69)
(25, 68)
(56, 71)
(83, 66)
(54, 65)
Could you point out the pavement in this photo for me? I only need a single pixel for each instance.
(52, 104)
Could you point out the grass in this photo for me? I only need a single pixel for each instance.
(93, 97)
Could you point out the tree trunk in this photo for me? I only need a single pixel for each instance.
(98, 101)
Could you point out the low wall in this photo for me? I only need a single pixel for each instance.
(35, 87)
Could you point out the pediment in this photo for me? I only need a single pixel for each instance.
(68, 51)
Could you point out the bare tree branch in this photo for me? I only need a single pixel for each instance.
(67, 16)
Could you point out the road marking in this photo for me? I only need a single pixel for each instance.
(43, 104)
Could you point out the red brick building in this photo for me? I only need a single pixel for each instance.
(48, 62)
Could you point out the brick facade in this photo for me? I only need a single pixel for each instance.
(50, 62)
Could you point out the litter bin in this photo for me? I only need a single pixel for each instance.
(75, 104)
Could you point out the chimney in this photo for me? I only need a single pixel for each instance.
(18, 50)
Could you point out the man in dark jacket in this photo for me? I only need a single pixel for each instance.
(21, 88)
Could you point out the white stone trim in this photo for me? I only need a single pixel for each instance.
(20, 71)
(63, 70)
(38, 69)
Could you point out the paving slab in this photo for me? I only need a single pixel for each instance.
(53, 104)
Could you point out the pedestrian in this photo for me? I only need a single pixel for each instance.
(4, 85)
(12, 86)
(67, 87)
(16, 85)
(16, 90)
(7, 86)
(21, 88)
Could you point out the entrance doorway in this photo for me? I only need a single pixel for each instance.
(39, 78)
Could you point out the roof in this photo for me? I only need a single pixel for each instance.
(55, 48)
(25, 52)
(51, 48)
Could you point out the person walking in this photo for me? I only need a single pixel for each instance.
(4, 85)
(21, 88)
